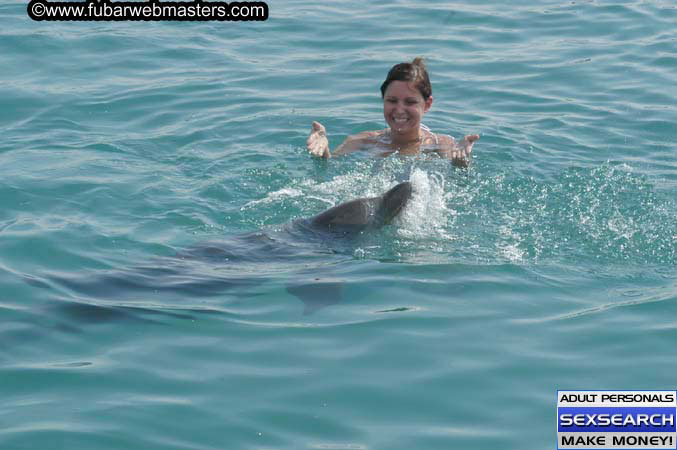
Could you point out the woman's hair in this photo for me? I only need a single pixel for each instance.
(414, 72)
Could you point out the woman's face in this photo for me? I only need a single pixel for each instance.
(403, 107)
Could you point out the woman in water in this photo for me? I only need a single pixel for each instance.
(407, 96)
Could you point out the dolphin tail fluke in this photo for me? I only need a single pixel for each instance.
(317, 294)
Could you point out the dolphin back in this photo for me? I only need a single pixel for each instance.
(355, 213)
(365, 212)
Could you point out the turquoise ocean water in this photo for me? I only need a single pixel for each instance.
(549, 264)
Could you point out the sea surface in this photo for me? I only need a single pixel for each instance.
(549, 264)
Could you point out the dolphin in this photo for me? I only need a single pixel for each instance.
(238, 263)
(348, 218)
(365, 213)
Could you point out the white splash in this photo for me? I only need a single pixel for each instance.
(426, 214)
(274, 197)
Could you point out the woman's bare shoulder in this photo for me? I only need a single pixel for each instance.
(445, 141)
(367, 135)
(442, 144)
(359, 141)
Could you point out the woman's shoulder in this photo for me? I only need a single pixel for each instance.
(365, 138)
(359, 141)
(367, 135)
(444, 140)
(439, 143)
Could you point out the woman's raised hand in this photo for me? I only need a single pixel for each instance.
(460, 155)
(317, 143)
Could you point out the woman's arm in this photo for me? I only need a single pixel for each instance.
(318, 144)
(458, 153)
